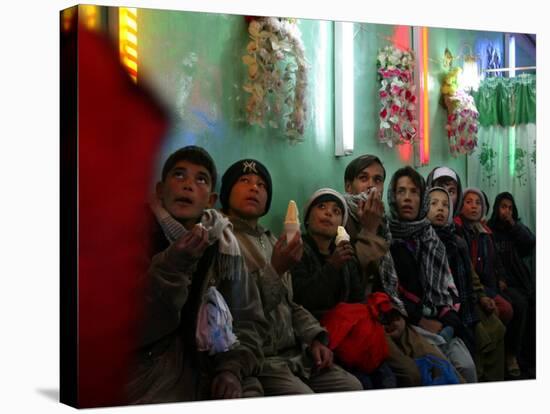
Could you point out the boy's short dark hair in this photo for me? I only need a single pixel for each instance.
(195, 155)
(443, 181)
(355, 167)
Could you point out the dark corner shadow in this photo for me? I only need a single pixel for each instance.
(52, 394)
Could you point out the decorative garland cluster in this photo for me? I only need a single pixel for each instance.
(398, 122)
(462, 118)
(276, 83)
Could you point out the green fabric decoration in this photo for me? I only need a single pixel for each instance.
(507, 101)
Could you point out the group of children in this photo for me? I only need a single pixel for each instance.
(430, 293)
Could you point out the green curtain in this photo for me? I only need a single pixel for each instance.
(507, 101)
(505, 158)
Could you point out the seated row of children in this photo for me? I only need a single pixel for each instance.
(428, 294)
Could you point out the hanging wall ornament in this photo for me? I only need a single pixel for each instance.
(398, 124)
(462, 115)
(277, 76)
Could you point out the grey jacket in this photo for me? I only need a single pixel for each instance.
(168, 366)
(292, 327)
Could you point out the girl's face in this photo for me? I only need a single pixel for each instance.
(439, 208)
(324, 219)
(473, 207)
(505, 209)
(407, 197)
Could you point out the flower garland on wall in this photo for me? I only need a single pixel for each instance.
(398, 124)
(277, 76)
(462, 118)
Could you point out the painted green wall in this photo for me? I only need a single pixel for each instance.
(194, 62)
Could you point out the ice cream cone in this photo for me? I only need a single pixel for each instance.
(341, 235)
(292, 224)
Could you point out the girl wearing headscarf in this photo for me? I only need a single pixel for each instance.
(425, 282)
(513, 242)
(488, 266)
(487, 330)
(440, 215)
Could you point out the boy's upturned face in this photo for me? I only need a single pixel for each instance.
(371, 176)
(439, 208)
(324, 219)
(248, 197)
(452, 189)
(407, 196)
(186, 192)
(472, 207)
(505, 209)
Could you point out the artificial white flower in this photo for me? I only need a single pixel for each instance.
(254, 28)
(274, 81)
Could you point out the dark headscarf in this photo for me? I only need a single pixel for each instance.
(436, 278)
(459, 262)
(424, 200)
(503, 196)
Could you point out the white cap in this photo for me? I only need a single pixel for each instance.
(327, 191)
(444, 172)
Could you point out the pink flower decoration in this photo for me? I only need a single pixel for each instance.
(395, 90)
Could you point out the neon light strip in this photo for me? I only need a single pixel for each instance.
(343, 88)
(512, 58)
(90, 16)
(425, 145)
(67, 16)
(128, 40)
(512, 150)
(512, 130)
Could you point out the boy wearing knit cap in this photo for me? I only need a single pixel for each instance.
(297, 359)
(196, 273)
(329, 273)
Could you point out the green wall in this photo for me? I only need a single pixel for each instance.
(193, 60)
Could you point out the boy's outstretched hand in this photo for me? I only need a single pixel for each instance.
(286, 256)
(191, 245)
